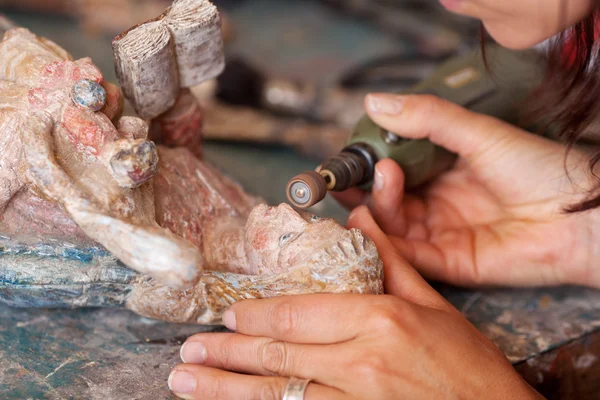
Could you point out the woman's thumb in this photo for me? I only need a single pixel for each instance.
(444, 123)
(401, 279)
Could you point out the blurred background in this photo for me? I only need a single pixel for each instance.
(343, 48)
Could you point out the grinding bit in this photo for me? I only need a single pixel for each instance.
(306, 189)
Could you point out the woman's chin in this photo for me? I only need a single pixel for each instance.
(505, 36)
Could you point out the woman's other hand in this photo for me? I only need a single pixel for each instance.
(497, 217)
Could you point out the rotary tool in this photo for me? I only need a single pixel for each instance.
(464, 80)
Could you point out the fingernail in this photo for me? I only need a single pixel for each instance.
(229, 320)
(354, 214)
(182, 382)
(385, 104)
(193, 353)
(351, 216)
(379, 180)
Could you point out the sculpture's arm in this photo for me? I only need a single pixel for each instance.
(147, 249)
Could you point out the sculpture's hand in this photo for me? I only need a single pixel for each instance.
(409, 344)
(496, 217)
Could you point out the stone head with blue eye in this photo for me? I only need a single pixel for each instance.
(89, 94)
(276, 238)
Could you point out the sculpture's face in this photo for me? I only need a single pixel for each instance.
(84, 107)
(277, 238)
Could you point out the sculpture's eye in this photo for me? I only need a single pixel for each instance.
(314, 218)
(89, 94)
(285, 238)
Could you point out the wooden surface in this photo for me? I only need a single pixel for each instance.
(551, 335)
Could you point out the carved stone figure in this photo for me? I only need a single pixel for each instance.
(65, 151)
(82, 186)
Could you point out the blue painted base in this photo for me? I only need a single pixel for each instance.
(58, 275)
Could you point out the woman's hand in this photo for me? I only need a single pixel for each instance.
(495, 218)
(409, 344)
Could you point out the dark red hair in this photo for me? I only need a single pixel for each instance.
(571, 94)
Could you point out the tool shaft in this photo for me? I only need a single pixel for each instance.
(353, 166)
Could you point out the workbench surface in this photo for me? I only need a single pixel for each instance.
(114, 354)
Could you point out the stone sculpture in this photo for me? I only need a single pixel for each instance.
(93, 213)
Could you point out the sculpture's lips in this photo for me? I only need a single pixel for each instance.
(134, 166)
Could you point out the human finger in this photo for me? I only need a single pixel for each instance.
(444, 123)
(351, 198)
(401, 279)
(197, 382)
(384, 199)
(260, 356)
(311, 319)
(387, 197)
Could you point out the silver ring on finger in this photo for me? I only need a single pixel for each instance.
(295, 389)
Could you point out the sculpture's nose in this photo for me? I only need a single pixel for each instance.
(135, 165)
